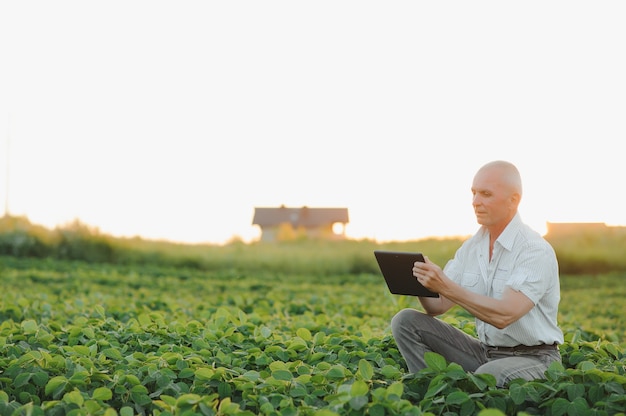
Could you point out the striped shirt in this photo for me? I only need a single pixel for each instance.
(522, 260)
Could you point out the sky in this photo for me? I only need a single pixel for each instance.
(173, 120)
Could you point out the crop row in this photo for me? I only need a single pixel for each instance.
(92, 339)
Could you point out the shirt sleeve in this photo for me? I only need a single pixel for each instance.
(534, 271)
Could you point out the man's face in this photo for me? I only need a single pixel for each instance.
(493, 202)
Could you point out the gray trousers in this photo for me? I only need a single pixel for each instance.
(416, 333)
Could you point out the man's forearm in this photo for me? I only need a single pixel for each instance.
(497, 312)
(435, 306)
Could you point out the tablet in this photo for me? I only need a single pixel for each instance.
(397, 269)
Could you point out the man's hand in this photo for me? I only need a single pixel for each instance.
(430, 275)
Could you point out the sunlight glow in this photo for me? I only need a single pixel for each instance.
(177, 126)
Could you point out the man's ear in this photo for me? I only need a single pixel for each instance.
(516, 198)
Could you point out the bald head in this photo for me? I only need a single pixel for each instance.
(506, 173)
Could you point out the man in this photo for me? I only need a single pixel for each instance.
(506, 276)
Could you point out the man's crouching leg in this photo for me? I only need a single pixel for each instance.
(416, 333)
(528, 367)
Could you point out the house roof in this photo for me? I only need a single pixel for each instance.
(299, 217)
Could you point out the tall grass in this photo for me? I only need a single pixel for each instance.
(578, 254)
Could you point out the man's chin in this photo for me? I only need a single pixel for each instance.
(480, 220)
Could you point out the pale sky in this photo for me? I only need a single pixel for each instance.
(174, 119)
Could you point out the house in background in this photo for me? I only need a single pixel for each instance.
(285, 223)
(567, 229)
(573, 228)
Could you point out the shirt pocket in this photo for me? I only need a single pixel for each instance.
(500, 280)
(472, 282)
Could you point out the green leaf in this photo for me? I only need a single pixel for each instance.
(188, 400)
(578, 407)
(555, 370)
(224, 389)
(144, 320)
(227, 407)
(468, 408)
(613, 350)
(278, 365)
(204, 374)
(377, 410)
(517, 393)
(21, 379)
(127, 411)
(100, 311)
(266, 332)
(132, 379)
(359, 388)
(435, 388)
(251, 375)
(243, 318)
(113, 354)
(88, 332)
(139, 389)
(390, 372)
(266, 408)
(576, 357)
(169, 400)
(456, 398)
(482, 381)
(29, 327)
(613, 387)
(56, 385)
(282, 375)
(298, 391)
(304, 333)
(93, 407)
(586, 366)
(186, 373)
(297, 344)
(74, 397)
(575, 390)
(79, 378)
(395, 389)
(102, 393)
(435, 361)
(365, 370)
(336, 371)
(559, 406)
(357, 403)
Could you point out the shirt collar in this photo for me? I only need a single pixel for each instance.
(507, 238)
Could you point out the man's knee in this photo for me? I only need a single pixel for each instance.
(405, 318)
(506, 370)
(494, 370)
(410, 323)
